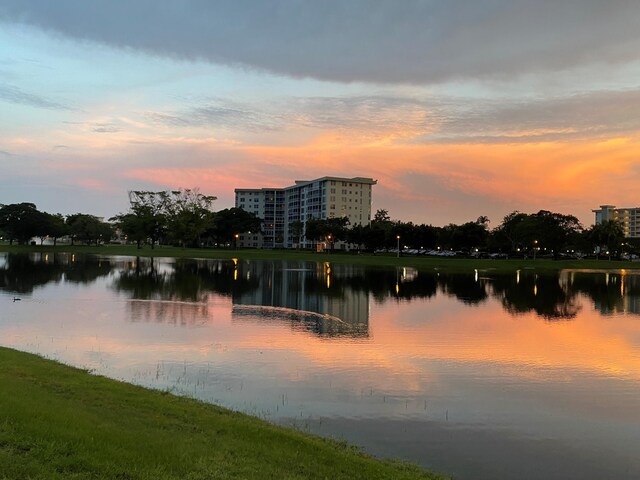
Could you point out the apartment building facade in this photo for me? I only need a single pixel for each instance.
(322, 198)
(628, 218)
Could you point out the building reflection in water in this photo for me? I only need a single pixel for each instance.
(324, 298)
(312, 296)
(614, 292)
(173, 312)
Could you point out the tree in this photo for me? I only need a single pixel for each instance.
(88, 228)
(56, 227)
(545, 229)
(555, 230)
(357, 235)
(188, 215)
(296, 229)
(467, 236)
(509, 234)
(608, 234)
(150, 215)
(133, 226)
(315, 229)
(381, 216)
(231, 221)
(21, 221)
(332, 229)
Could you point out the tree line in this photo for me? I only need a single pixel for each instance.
(180, 217)
(185, 218)
(543, 233)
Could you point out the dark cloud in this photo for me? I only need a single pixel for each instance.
(411, 41)
(13, 94)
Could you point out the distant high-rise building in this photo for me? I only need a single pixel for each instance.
(628, 218)
(322, 198)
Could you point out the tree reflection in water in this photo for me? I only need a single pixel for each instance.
(178, 291)
(24, 273)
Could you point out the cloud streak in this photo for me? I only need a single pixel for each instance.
(423, 119)
(377, 41)
(13, 94)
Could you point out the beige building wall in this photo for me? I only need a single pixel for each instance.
(628, 218)
(321, 198)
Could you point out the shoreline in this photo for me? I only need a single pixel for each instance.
(365, 259)
(58, 421)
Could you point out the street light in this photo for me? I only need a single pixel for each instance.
(237, 236)
(398, 246)
(330, 244)
(535, 244)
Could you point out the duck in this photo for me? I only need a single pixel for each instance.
(16, 299)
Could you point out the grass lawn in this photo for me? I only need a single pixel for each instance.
(59, 422)
(422, 263)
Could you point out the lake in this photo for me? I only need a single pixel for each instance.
(478, 375)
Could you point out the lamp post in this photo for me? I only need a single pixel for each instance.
(330, 244)
(237, 236)
(398, 246)
(535, 245)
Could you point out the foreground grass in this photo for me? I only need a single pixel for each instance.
(58, 422)
(422, 263)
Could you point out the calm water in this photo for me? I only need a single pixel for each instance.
(478, 375)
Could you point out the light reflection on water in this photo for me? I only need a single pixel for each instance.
(476, 375)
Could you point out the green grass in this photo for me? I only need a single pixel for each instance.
(58, 422)
(422, 263)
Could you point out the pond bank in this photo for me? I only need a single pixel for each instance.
(61, 422)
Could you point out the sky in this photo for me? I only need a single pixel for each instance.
(457, 109)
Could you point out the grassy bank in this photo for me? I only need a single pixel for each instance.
(422, 263)
(58, 422)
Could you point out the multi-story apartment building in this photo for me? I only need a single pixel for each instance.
(629, 218)
(322, 198)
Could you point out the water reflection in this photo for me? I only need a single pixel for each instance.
(319, 298)
(23, 273)
(468, 374)
(179, 290)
